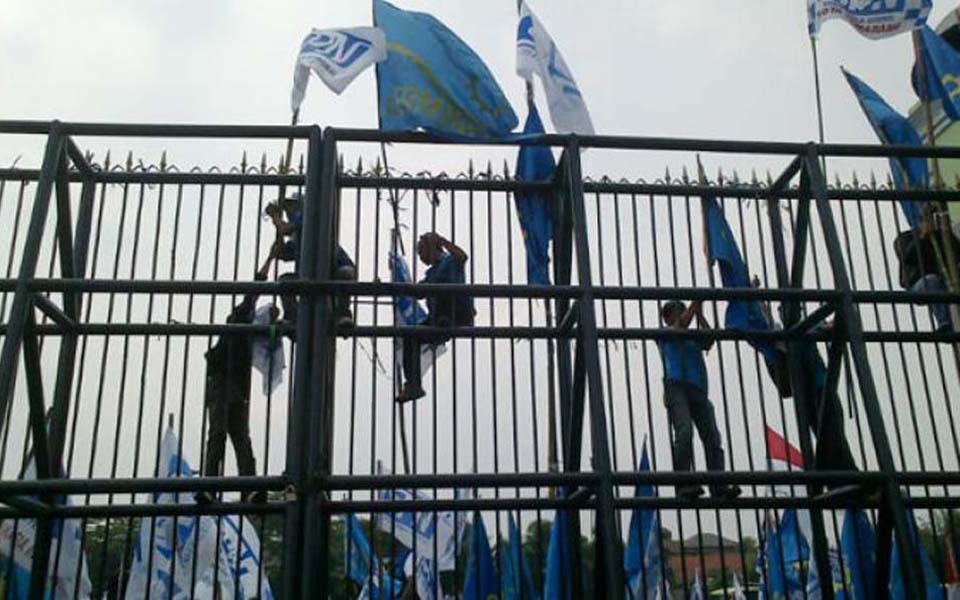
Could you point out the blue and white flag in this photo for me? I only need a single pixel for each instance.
(893, 128)
(337, 56)
(538, 54)
(942, 69)
(183, 557)
(642, 562)
(696, 590)
(432, 80)
(66, 556)
(436, 536)
(534, 209)
(930, 581)
(407, 311)
(872, 18)
(481, 582)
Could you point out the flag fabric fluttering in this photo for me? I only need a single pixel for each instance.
(858, 544)
(66, 555)
(737, 593)
(941, 64)
(407, 312)
(431, 79)
(786, 556)
(184, 557)
(893, 128)
(337, 56)
(874, 20)
(696, 588)
(481, 581)
(534, 209)
(538, 54)
(930, 581)
(642, 560)
(363, 566)
(517, 577)
(558, 583)
(268, 356)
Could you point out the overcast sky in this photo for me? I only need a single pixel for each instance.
(737, 69)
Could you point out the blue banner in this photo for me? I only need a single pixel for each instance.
(941, 70)
(858, 544)
(517, 578)
(893, 128)
(534, 210)
(642, 563)
(874, 19)
(433, 80)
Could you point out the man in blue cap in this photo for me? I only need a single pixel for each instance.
(685, 395)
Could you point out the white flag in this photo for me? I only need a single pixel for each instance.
(189, 546)
(872, 19)
(66, 542)
(337, 56)
(536, 53)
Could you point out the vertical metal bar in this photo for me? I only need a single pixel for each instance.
(319, 409)
(296, 426)
(28, 266)
(801, 389)
(609, 542)
(853, 328)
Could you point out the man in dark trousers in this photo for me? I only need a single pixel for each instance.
(919, 270)
(445, 261)
(685, 395)
(227, 393)
(287, 218)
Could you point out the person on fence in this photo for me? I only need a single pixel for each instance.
(685, 396)
(227, 390)
(919, 270)
(445, 261)
(287, 218)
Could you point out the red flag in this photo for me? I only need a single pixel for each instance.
(782, 452)
(950, 574)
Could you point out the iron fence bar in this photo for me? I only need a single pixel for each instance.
(13, 336)
(295, 469)
(156, 129)
(607, 531)
(853, 328)
(51, 310)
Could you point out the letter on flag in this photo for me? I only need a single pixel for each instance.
(432, 80)
(535, 163)
(873, 19)
(942, 69)
(537, 53)
(337, 56)
(893, 128)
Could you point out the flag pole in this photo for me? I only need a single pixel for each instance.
(819, 99)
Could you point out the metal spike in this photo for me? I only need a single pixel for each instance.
(719, 176)
(243, 162)
(376, 167)
(340, 163)
(666, 176)
(282, 163)
(856, 181)
(769, 179)
(130, 161)
(359, 166)
(506, 170)
(163, 161)
(753, 177)
(470, 168)
(873, 180)
(956, 182)
(263, 162)
(889, 181)
(88, 155)
(301, 165)
(489, 170)
(837, 183)
(736, 177)
(684, 176)
(106, 161)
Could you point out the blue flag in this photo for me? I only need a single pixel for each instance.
(560, 561)
(641, 561)
(941, 63)
(535, 163)
(858, 543)
(482, 582)
(360, 558)
(517, 578)
(930, 581)
(785, 554)
(893, 128)
(722, 249)
(433, 80)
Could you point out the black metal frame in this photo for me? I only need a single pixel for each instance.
(308, 479)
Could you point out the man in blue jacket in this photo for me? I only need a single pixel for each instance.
(685, 395)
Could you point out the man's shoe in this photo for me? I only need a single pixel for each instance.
(689, 492)
(410, 393)
(204, 498)
(727, 492)
(256, 497)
